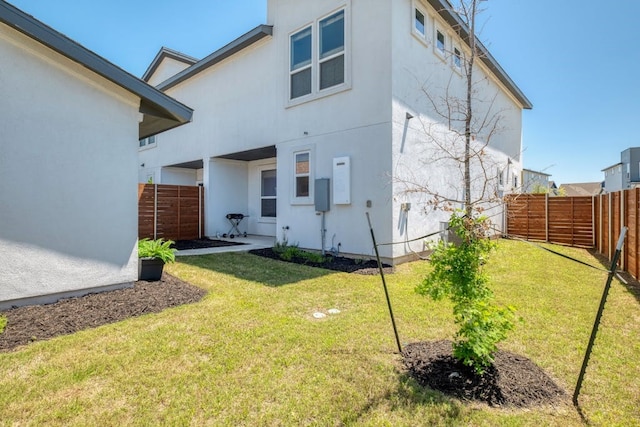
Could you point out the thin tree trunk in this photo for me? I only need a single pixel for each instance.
(469, 112)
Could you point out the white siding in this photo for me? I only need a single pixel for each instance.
(68, 207)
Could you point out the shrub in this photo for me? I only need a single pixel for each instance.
(457, 274)
(288, 252)
(159, 248)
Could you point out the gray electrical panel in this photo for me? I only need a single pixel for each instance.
(322, 195)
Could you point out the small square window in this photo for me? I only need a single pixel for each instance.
(419, 22)
(146, 142)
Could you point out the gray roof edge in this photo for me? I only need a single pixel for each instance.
(242, 42)
(165, 52)
(47, 36)
(535, 171)
(445, 10)
(612, 166)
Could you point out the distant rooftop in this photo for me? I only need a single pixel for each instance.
(582, 189)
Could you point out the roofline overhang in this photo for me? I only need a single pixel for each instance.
(167, 112)
(445, 10)
(536, 172)
(612, 166)
(165, 52)
(219, 55)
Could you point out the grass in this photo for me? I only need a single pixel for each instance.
(251, 352)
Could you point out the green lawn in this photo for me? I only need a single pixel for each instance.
(251, 352)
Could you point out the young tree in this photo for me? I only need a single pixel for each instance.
(472, 120)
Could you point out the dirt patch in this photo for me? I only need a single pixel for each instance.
(69, 315)
(343, 264)
(512, 380)
(182, 245)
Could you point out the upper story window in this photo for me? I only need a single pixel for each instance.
(147, 142)
(457, 59)
(318, 57)
(332, 50)
(301, 63)
(419, 22)
(441, 42)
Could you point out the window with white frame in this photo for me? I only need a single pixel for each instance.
(419, 23)
(301, 63)
(268, 192)
(302, 174)
(457, 59)
(332, 50)
(441, 42)
(147, 142)
(500, 177)
(318, 65)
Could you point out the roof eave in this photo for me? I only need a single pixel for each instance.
(173, 112)
(165, 52)
(219, 55)
(444, 9)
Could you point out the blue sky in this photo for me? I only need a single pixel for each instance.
(576, 60)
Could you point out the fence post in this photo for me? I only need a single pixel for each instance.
(610, 219)
(546, 217)
(199, 212)
(623, 223)
(155, 211)
(593, 221)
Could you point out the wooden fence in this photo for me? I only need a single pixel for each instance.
(584, 221)
(563, 220)
(174, 212)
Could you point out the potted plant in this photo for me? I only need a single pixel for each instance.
(153, 255)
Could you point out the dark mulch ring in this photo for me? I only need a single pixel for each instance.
(182, 245)
(345, 265)
(69, 315)
(512, 380)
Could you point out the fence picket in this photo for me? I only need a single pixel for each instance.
(174, 212)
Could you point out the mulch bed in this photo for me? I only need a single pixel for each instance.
(182, 245)
(345, 265)
(69, 315)
(512, 380)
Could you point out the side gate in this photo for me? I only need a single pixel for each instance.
(171, 212)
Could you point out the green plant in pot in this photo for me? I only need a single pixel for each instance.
(153, 255)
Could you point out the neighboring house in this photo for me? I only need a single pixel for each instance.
(581, 189)
(535, 181)
(330, 89)
(69, 128)
(625, 174)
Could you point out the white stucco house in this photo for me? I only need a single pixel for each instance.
(344, 90)
(70, 122)
(535, 181)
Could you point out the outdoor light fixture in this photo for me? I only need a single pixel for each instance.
(409, 116)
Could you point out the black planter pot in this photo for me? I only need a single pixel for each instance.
(150, 269)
